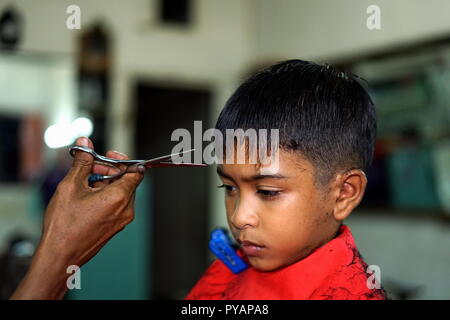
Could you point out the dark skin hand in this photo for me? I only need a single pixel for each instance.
(79, 221)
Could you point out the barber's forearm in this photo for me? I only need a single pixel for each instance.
(46, 277)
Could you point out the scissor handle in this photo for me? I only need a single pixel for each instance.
(95, 177)
(102, 158)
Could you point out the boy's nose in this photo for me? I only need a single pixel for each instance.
(244, 215)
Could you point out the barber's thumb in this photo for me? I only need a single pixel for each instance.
(83, 161)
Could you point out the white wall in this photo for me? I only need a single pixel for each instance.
(323, 29)
(410, 251)
(213, 51)
(32, 83)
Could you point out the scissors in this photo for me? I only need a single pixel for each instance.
(162, 161)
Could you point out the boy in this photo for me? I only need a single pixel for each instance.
(289, 222)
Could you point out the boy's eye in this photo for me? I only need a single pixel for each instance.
(228, 189)
(268, 193)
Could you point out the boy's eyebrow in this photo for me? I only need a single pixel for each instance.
(222, 174)
(251, 178)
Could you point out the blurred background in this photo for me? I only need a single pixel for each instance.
(136, 70)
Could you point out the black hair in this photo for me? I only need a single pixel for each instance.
(325, 115)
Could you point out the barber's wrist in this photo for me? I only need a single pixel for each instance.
(46, 277)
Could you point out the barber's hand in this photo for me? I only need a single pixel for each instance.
(79, 221)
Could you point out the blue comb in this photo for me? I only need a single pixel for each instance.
(221, 245)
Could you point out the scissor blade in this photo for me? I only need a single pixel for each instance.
(171, 164)
(164, 158)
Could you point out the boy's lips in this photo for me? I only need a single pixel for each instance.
(250, 248)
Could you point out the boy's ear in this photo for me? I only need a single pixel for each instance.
(350, 187)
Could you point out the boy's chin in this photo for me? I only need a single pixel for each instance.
(264, 265)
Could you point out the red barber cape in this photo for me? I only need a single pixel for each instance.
(334, 271)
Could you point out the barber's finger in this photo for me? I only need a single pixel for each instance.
(120, 156)
(101, 168)
(129, 181)
(108, 170)
(104, 170)
(82, 161)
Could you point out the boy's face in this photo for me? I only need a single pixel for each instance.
(280, 218)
